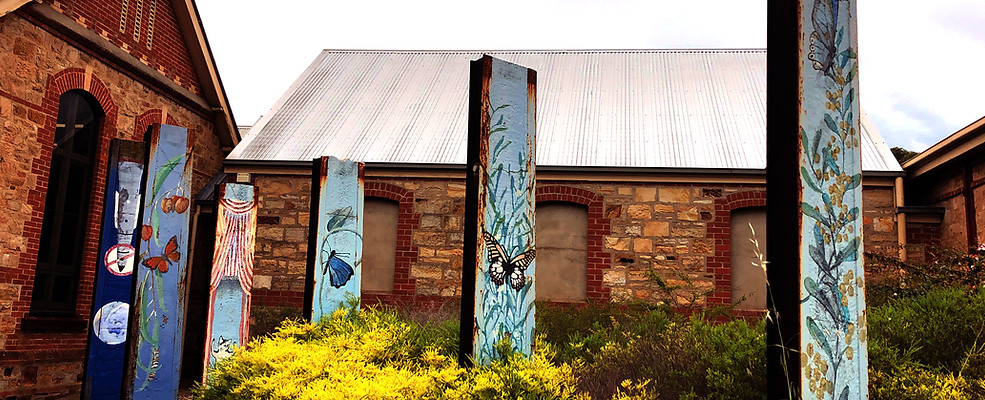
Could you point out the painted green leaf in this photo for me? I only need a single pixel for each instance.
(811, 286)
(159, 287)
(163, 173)
(818, 336)
(851, 75)
(830, 123)
(848, 53)
(850, 96)
(852, 214)
(830, 162)
(497, 129)
(810, 211)
(804, 143)
(817, 141)
(841, 35)
(816, 254)
(844, 394)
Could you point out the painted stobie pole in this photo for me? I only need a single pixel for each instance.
(335, 237)
(498, 259)
(158, 313)
(817, 119)
(232, 272)
(106, 354)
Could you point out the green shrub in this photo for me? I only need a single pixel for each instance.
(579, 333)
(915, 383)
(690, 360)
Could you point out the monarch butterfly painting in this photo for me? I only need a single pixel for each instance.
(171, 255)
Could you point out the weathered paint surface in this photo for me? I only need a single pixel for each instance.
(335, 247)
(114, 279)
(157, 324)
(504, 239)
(232, 272)
(833, 333)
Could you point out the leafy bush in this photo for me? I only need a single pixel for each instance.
(578, 333)
(696, 359)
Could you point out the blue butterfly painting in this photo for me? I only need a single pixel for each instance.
(824, 39)
(339, 272)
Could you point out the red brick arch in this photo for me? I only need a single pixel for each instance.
(58, 84)
(404, 287)
(720, 229)
(147, 119)
(598, 228)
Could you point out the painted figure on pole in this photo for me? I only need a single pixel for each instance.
(232, 272)
(114, 279)
(833, 333)
(335, 238)
(159, 302)
(500, 273)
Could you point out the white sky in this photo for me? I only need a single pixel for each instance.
(921, 71)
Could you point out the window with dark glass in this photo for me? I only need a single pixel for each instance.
(66, 205)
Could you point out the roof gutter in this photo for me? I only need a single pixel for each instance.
(562, 172)
(946, 150)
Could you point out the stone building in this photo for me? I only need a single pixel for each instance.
(75, 74)
(945, 197)
(650, 167)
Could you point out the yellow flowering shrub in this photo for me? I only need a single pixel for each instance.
(376, 354)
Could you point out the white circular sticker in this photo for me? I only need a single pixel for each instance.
(110, 322)
(119, 259)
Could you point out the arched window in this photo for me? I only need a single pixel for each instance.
(379, 244)
(748, 244)
(562, 251)
(66, 204)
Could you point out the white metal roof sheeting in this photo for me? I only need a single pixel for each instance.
(614, 108)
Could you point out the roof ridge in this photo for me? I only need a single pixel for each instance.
(549, 51)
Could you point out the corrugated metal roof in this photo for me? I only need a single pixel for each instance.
(617, 108)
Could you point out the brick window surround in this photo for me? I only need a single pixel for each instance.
(148, 118)
(598, 228)
(58, 84)
(720, 229)
(404, 286)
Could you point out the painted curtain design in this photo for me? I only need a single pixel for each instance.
(159, 305)
(114, 278)
(833, 333)
(335, 243)
(232, 272)
(504, 279)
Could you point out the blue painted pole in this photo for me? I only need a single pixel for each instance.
(228, 322)
(498, 259)
(158, 312)
(335, 239)
(105, 359)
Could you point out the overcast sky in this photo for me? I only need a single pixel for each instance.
(921, 71)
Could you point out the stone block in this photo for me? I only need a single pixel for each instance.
(261, 281)
(425, 272)
(675, 195)
(702, 246)
(656, 228)
(429, 238)
(688, 213)
(646, 194)
(634, 230)
(638, 211)
(456, 190)
(693, 231)
(613, 211)
(270, 233)
(430, 221)
(883, 224)
(617, 243)
(617, 277)
(663, 208)
(642, 245)
(625, 190)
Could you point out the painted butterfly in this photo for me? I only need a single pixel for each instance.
(170, 255)
(501, 268)
(824, 17)
(339, 272)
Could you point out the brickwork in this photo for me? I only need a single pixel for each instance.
(679, 233)
(919, 238)
(167, 52)
(36, 70)
(879, 221)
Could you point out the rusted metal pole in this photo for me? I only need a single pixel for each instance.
(498, 265)
(830, 353)
(335, 240)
